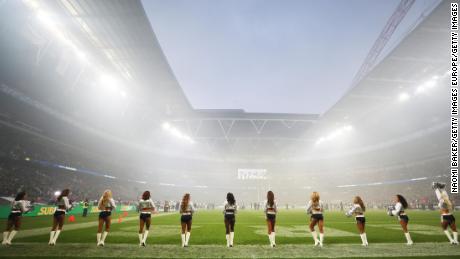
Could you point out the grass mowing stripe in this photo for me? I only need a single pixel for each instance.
(243, 251)
(46, 230)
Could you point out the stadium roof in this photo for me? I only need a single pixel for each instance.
(117, 38)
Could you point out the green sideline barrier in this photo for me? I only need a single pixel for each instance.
(43, 210)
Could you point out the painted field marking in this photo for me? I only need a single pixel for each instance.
(301, 231)
(413, 228)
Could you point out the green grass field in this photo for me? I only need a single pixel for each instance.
(386, 239)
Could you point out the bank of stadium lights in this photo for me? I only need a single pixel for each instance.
(423, 88)
(33, 4)
(110, 84)
(176, 133)
(167, 184)
(404, 97)
(382, 183)
(336, 133)
(200, 186)
(52, 25)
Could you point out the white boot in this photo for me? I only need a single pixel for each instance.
(140, 239)
(451, 240)
(274, 239)
(5, 237)
(146, 234)
(182, 236)
(104, 235)
(51, 237)
(98, 236)
(363, 239)
(56, 235)
(187, 238)
(409, 240)
(227, 237)
(11, 236)
(321, 238)
(455, 237)
(232, 235)
(315, 237)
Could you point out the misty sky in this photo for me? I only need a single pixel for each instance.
(289, 56)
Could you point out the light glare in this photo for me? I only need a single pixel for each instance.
(404, 97)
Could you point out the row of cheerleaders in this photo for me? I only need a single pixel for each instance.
(315, 209)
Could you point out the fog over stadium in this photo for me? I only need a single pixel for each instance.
(103, 94)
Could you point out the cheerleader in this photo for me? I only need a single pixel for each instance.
(230, 209)
(18, 206)
(146, 207)
(445, 206)
(186, 211)
(105, 205)
(398, 210)
(270, 211)
(315, 208)
(358, 210)
(63, 205)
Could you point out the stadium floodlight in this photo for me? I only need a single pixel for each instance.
(31, 3)
(80, 54)
(167, 184)
(57, 193)
(430, 83)
(335, 134)
(176, 132)
(420, 90)
(166, 126)
(419, 179)
(403, 97)
(47, 20)
(107, 80)
(201, 186)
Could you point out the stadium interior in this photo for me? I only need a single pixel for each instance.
(88, 102)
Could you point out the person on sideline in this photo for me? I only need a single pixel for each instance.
(270, 210)
(105, 205)
(230, 209)
(146, 207)
(315, 209)
(445, 208)
(19, 206)
(186, 210)
(399, 210)
(358, 210)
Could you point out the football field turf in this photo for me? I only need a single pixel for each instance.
(293, 238)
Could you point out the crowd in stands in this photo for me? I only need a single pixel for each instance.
(20, 171)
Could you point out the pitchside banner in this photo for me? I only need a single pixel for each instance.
(45, 210)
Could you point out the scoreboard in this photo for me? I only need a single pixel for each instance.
(252, 174)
